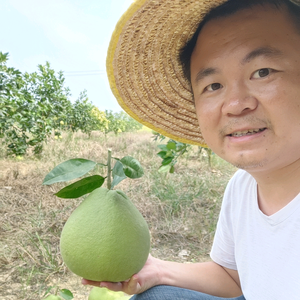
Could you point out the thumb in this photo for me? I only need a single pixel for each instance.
(133, 286)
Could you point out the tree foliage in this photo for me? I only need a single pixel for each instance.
(85, 116)
(34, 105)
(121, 122)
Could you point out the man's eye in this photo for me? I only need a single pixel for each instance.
(261, 73)
(213, 87)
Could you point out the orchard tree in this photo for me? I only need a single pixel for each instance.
(31, 106)
(51, 103)
(115, 123)
(100, 121)
(34, 105)
(131, 124)
(121, 122)
(85, 116)
(16, 106)
(50, 94)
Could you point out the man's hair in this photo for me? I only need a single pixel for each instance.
(227, 9)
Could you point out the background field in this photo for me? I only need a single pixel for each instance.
(181, 208)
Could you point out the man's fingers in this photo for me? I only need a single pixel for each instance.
(130, 286)
(133, 285)
(114, 286)
(90, 282)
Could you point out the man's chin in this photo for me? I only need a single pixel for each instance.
(249, 165)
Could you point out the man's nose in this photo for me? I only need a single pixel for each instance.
(238, 100)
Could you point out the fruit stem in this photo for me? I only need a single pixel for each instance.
(109, 169)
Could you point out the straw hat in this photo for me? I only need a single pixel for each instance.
(144, 70)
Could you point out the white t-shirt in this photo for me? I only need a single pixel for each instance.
(264, 249)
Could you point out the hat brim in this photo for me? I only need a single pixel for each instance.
(144, 69)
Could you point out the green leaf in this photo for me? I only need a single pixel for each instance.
(169, 154)
(171, 145)
(167, 161)
(172, 170)
(118, 169)
(81, 187)
(118, 174)
(163, 147)
(164, 169)
(162, 154)
(66, 294)
(132, 167)
(69, 170)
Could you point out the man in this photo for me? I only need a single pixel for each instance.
(243, 64)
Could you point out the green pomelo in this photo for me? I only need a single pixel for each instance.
(103, 293)
(106, 238)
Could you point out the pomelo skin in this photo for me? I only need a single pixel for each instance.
(106, 238)
(103, 293)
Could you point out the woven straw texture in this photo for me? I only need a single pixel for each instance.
(144, 70)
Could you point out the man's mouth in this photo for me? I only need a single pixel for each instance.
(246, 132)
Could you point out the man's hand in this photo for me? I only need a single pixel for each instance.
(207, 277)
(138, 283)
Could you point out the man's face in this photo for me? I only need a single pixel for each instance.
(245, 73)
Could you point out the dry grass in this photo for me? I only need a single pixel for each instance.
(181, 209)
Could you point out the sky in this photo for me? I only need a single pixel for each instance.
(72, 35)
